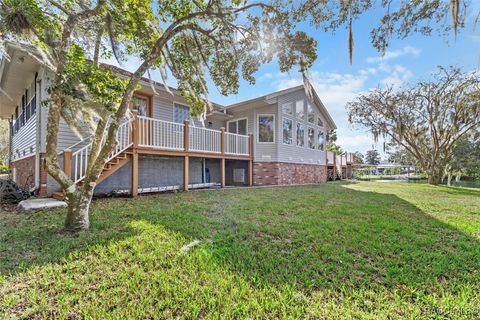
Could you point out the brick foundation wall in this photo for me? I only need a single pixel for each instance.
(279, 173)
(24, 172)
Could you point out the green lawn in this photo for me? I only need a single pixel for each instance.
(357, 250)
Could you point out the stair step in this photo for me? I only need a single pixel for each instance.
(58, 195)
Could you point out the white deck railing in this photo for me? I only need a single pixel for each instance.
(160, 134)
(79, 162)
(236, 144)
(205, 140)
(80, 157)
(349, 157)
(166, 135)
(330, 156)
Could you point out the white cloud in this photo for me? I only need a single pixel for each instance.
(337, 89)
(389, 55)
(398, 76)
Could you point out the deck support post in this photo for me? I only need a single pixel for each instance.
(222, 160)
(186, 172)
(250, 162)
(134, 185)
(135, 140)
(67, 162)
(186, 159)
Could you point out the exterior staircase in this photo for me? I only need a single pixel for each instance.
(110, 168)
(75, 163)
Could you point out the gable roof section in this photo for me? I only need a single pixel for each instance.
(271, 98)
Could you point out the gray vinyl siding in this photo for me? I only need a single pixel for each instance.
(265, 152)
(216, 124)
(248, 114)
(67, 138)
(262, 152)
(162, 109)
(292, 153)
(24, 141)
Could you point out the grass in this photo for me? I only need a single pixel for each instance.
(358, 250)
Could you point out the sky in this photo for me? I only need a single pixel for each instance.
(337, 82)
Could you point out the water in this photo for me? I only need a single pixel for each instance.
(464, 184)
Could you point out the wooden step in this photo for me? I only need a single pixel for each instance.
(58, 195)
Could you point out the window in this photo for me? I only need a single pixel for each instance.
(311, 137)
(299, 110)
(310, 114)
(237, 126)
(181, 113)
(319, 122)
(141, 105)
(321, 140)
(287, 131)
(287, 108)
(300, 135)
(266, 128)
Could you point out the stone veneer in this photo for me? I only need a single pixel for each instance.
(281, 173)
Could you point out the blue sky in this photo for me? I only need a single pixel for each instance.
(337, 82)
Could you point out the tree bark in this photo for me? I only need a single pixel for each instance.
(78, 209)
(434, 179)
(458, 176)
(449, 178)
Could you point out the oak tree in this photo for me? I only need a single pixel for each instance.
(426, 118)
(192, 40)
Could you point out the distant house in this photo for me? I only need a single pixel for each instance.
(275, 139)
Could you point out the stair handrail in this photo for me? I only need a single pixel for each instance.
(80, 157)
(76, 144)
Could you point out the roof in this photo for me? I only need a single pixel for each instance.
(14, 85)
(17, 70)
(265, 97)
(276, 94)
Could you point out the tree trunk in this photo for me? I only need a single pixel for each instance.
(449, 178)
(458, 176)
(78, 210)
(434, 179)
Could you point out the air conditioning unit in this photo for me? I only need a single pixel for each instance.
(239, 175)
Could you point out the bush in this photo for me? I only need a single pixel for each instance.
(4, 169)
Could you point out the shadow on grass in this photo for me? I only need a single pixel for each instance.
(321, 237)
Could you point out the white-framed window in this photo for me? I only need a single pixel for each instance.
(181, 113)
(287, 131)
(321, 140)
(287, 108)
(310, 113)
(311, 137)
(319, 122)
(238, 126)
(300, 110)
(300, 135)
(266, 128)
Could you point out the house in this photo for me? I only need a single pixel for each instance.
(275, 139)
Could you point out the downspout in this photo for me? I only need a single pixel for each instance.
(38, 131)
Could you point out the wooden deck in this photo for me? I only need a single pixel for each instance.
(149, 136)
